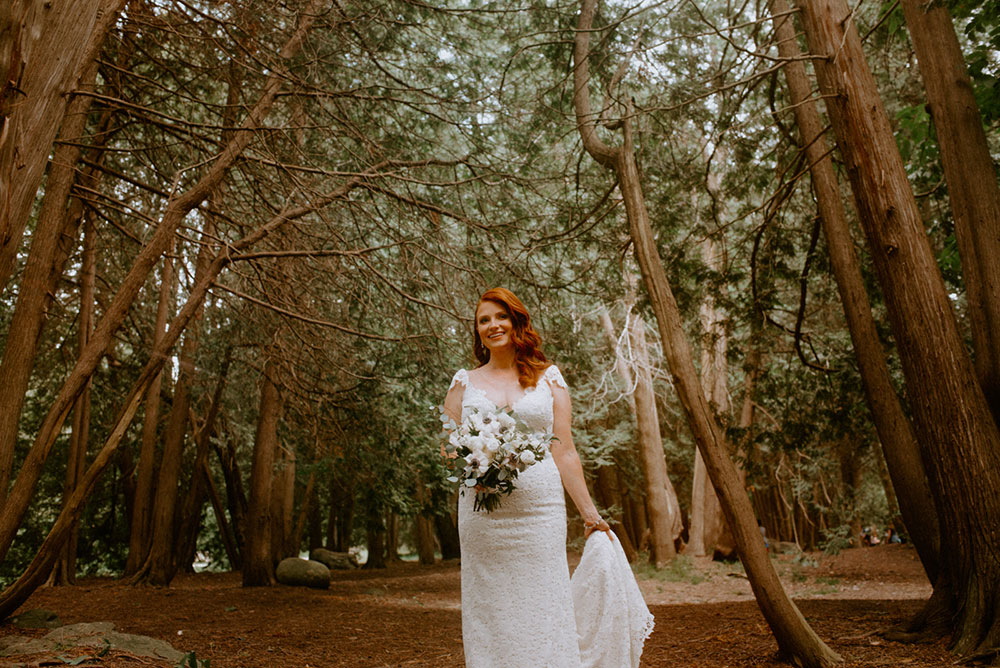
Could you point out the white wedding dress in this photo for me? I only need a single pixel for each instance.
(517, 602)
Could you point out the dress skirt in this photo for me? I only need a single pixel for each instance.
(517, 605)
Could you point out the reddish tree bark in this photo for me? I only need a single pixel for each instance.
(959, 440)
(896, 435)
(794, 636)
(258, 567)
(33, 99)
(971, 176)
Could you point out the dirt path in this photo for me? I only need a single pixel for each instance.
(410, 616)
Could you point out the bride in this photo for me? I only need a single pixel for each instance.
(517, 599)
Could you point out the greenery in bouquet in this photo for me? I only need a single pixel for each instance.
(492, 447)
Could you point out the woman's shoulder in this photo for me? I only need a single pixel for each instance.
(461, 377)
(554, 376)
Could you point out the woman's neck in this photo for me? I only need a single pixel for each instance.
(502, 360)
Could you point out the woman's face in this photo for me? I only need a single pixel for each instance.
(494, 325)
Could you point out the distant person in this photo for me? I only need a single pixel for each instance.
(892, 536)
(763, 534)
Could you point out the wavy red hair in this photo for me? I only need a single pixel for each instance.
(529, 358)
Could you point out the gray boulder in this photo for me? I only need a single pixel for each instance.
(335, 561)
(302, 573)
(99, 635)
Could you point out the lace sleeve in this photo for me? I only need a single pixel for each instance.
(461, 377)
(555, 377)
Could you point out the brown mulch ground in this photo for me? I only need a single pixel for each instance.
(409, 616)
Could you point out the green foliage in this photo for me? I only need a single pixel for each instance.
(836, 539)
(189, 660)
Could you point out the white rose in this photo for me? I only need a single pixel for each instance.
(527, 457)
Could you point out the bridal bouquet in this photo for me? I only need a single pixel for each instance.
(494, 447)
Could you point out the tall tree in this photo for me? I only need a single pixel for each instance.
(896, 435)
(971, 175)
(794, 636)
(33, 99)
(959, 440)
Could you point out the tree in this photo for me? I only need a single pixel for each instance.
(971, 175)
(795, 638)
(896, 435)
(959, 440)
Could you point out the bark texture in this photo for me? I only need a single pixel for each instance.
(258, 567)
(959, 440)
(896, 435)
(971, 176)
(795, 638)
(33, 97)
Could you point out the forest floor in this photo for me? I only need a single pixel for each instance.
(409, 616)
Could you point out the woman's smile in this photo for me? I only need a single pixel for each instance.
(493, 324)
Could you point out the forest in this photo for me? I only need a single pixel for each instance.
(242, 242)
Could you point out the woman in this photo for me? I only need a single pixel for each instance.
(517, 605)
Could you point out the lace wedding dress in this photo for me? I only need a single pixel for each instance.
(517, 602)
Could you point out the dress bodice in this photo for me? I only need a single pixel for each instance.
(534, 407)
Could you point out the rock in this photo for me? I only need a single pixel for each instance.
(785, 547)
(334, 560)
(38, 618)
(302, 573)
(100, 635)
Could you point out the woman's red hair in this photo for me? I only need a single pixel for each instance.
(529, 358)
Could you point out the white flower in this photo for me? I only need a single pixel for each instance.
(527, 457)
(475, 443)
(490, 443)
(506, 422)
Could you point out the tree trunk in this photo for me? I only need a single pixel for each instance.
(229, 542)
(236, 498)
(305, 514)
(971, 176)
(896, 435)
(258, 567)
(959, 440)
(376, 534)
(282, 501)
(606, 489)
(28, 318)
(33, 101)
(23, 490)
(392, 538)
(661, 500)
(191, 507)
(794, 636)
(315, 523)
(76, 460)
(662, 507)
(447, 530)
(424, 527)
(708, 531)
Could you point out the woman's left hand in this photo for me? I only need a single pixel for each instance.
(599, 525)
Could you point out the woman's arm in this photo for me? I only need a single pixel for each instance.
(568, 460)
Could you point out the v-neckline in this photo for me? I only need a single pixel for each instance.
(510, 406)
